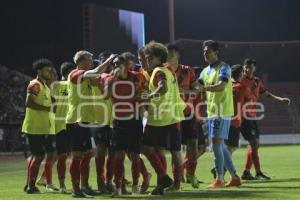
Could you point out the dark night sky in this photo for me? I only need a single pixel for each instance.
(53, 28)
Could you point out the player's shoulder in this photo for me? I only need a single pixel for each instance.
(205, 68)
(137, 75)
(34, 87)
(185, 67)
(224, 65)
(34, 83)
(73, 72)
(76, 72)
(236, 84)
(160, 70)
(75, 75)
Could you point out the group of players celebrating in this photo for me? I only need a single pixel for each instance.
(108, 100)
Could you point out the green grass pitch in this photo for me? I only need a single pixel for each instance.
(282, 163)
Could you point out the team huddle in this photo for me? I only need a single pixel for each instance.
(128, 110)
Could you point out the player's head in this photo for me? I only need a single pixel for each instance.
(130, 60)
(210, 51)
(65, 69)
(249, 67)
(119, 65)
(103, 56)
(54, 74)
(142, 59)
(237, 72)
(83, 60)
(43, 68)
(156, 54)
(173, 54)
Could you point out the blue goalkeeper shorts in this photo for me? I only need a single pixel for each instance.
(219, 127)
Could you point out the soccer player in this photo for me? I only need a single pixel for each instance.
(216, 83)
(130, 63)
(165, 112)
(80, 114)
(103, 132)
(38, 124)
(46, 177)
(104, 144)
(240, 95)
(146, 70)
(249, 128)
(190, 129)
(124, 87)
(130, 60)
(63, 146)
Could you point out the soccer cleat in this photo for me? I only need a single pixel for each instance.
(110, 187)
(158, 190)
(117, 192)
(88, 191)
(145, 184)
(192, 179)
(166, 181)
(41, 182)
(80, 194)
(135, 189)
(216, 184)
(261, 176)
(234, 182)
(33, 190)
(124, 189)
(247, 176)
(25, 188)
(189, 181)
(51, 188)
(102, 186)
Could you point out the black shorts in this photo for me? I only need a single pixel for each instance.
(127, 135)
(41, 144)
(192, 130)
(63, 142)
(233, 137)
(80, 137)
(249, 129)
(103, 135)
(168, 137)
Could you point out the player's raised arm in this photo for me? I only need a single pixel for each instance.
(284, 100)
(100, 69)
